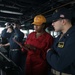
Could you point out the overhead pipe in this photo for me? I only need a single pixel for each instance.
(11, 12)
(59, 7)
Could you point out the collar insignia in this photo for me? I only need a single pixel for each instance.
(61, 44)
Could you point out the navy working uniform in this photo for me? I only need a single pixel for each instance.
(62, 55)
(15, 50)
(5, 36)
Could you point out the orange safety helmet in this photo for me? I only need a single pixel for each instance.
(39, 20)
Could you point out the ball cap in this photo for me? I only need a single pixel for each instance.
(62, 13)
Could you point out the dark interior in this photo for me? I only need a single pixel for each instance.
(24, 11)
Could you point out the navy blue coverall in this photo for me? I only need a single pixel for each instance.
(62, 55)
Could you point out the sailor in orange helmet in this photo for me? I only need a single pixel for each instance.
(36, 46)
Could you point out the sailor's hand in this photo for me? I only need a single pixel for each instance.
(1, 45)
(14, 25)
